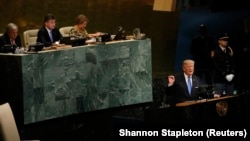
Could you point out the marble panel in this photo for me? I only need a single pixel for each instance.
(86, 78)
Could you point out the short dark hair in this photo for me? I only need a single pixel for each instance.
(49, 17)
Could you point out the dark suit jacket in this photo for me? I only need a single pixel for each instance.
(5, 40)
(179, 90)
(43, 36)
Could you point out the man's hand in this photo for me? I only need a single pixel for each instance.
(216, 95)
(171, 80)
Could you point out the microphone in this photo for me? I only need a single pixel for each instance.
(205, 90)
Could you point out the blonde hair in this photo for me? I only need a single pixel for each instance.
(187, 61)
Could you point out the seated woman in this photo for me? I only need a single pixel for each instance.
(79, 31)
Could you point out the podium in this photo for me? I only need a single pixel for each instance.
(225, 110)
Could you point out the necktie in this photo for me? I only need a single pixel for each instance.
(50, 36)
(224, 50)
(13, 42)
(189, 85)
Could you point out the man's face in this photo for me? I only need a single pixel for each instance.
(13, 34)
(50, 24)
(188, 68)
(223, 42)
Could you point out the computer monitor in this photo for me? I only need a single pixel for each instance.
(36, 47)
(106, 37)
(8, 48)
(205, 91)
(119, 34)
(73, 41)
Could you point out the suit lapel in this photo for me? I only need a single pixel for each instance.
(194, 84)
(7, 39)
(184, 83)
(47, 34)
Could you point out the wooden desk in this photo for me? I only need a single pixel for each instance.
(189, 103)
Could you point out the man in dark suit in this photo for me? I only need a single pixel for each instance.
(11, 37)
(185, 86)
(178, 85)
(48, 34)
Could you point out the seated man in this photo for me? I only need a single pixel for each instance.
(185, 86)
(48, 34)
(11, 37)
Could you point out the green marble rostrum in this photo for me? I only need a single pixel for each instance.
(86, 78)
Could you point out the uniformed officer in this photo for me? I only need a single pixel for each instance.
(224, 67)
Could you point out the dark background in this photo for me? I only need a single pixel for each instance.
(230, 22)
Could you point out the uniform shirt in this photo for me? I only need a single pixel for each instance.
(223, 64)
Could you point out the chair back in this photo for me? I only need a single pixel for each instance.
(30, 37)
(8, 128)
(65, 30)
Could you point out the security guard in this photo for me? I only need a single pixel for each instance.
(224, 67)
